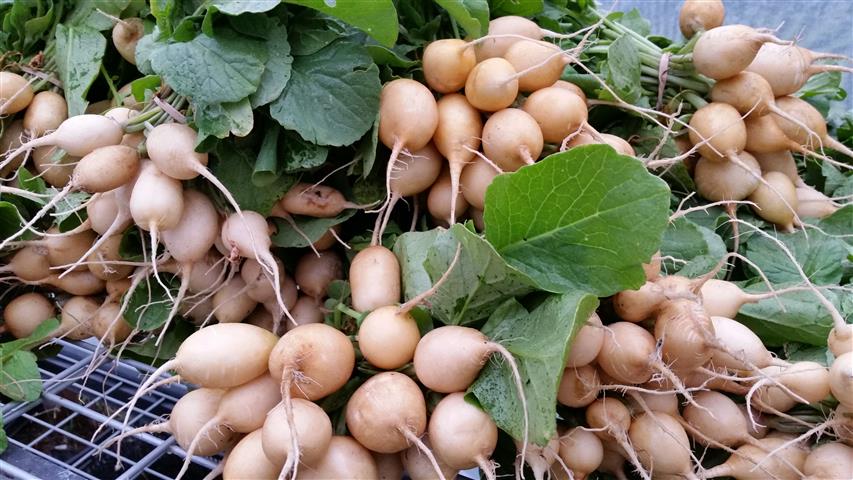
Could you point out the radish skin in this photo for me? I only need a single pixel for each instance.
(446, 64)
(457, 137)
(462, 435)
(700, 15)
(724, 51)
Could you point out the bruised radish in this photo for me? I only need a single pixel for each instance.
(727, 181)
(700, 15)
(313, 434)
(345, 458)
(374, 276)
(723, 52)
(476, 178)
(317, 201)
(126, 34)
(457, 137)
(23, 314)
(461, 434)
(446, 64)
(558, 112)
(46, 112)
(661, 444)
(539, 64)
(492, 85)
(512, 138)
(247, 460)
(776, 200)
(387, 413)
(16, 93)
(587, 343)
(720, 127)
(581, 451)
(503, 33)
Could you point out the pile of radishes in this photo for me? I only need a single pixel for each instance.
(667, 372)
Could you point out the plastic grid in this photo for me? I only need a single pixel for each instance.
(50, 438)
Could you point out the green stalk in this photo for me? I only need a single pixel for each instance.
(694, 99)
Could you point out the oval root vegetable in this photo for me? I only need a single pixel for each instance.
(109, 325)
(475, 179)
(446, 64)
(388, 337)
(126, 34)
(457, 137)
(716, 417)
(778, 161)
(503, 33)
(685, 333)
(512, 139)
(247, 460)
(721, 128)
(814, 204)
(746, 349)
(12, 137)
(744, 463)
(309, 445)
(315, 272)
(374, 276)
(661, 444)
(581, 451)
(16, 93)
(419, 467)
(626, 353)
(610, 420)
(538, 64)
(462, 435)
(414, 173)
(345, 458)
(587, 343)
(29, 264)
(46, 112)
(231, 303)
(441, 201)
(76, 317)
(318, 201)
(841, 378)
(618, 143)
(727, 181)
(579, 386)
(24, 313)
(700, 15)
(776, 200)
(805, 125)
(387, 412)
(492, 85)
(829, 460)
(787, 67)
(724, 51)
(558, 112)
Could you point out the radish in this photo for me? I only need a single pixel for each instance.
(539, 64)
(441, 201)
(841, 378)
(16, 93)
(345, 458)
(312, 361)
(314, 273)
(109, 325)
(749, 93)
(638, 305)
(808, 380)
(587, 343)
(24, 313)
(579, 386)
(389, 465)
(105, 261)
(457, 137)
(619, 144)
(247, 234)
(46, 112)
(463, 435)
(305, 311)
(446, 64)
(11, 139)
(64, 250)
(558, 112)
(539, 458)
(419, 467)
(571, 87)
(53, 165)
(763, 135)
(388, 337)
(685, 334)
(259, 288)
(662, 445)
(724, 51)
(29, 264)
(717, 418)
(718, 131)
(727, 181)
(843, 423)
(512, 138)
(231, 303)
(724, 299)
(78, 136)
(492, 85)
(700, 15)
(581, 451)
(247, 460)
(788, 67)
(810, 123)
(475, 179)
(76, 315)
(814, 204)
(610, 420)
(317, 201)
(109, 212)
(660, 399)
(313, 431)
(126, 34)
(829, 460)
(778, 161)
(76, 283)
(744, 463)
(400, 103)
(503, 33)
(747, 350)
(171, 147)
(626, 354)
(374, 276)
(387, 412)
(776, 200)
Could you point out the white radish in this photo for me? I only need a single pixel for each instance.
(457, 137)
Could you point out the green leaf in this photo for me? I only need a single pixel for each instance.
(4, 442)
(582, 219)
(172, 340)
(221, 119)
(365, 152)
(277, 69)
(140, 86)
(149, 305)
(10, 220)
(266, 169)
(313, 228)
(523, 8)
(310, 31)
(839, 223)
(635, 21)
(234, 168)
(539, 341)
(622, 69)
(377, 18)
(79, 52)
(167, 13)
(30, 182)
(225, 68)
(472, 15)
(792, 317)
(344, 80)
(19, 377)
(40, 334)
(145, 48)
(699, 246)
(819, 255)
(797, 352)
(70, 214)
(299, 155)
(480, 281)
(87, 13)
(386, 56)
(236, 7)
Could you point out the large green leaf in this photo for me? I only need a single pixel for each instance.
(211, 70)
(149, 304)
(539, 340)
(473, 15)
(10, 220)
(19, 377)
(792, 317)
(623, 69)
(584, 219)
(223, 119)
(820, 256)
(333, 95)
(522, 8)
(79, 52)
(277, 70)
(236, 7)
(700, 247)
(95, 13)
(313, 228)
(377, 18)
(480, 281)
